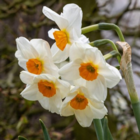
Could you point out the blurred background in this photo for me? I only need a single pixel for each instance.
(24, 18)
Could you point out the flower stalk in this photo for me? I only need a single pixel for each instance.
(104, 26)
(111, 54)
(98, 129)
(90, 28)
(107, 133)
(106, 41)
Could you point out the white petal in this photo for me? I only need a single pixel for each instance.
(58, 55)
(18, 55)
(80, 82)
(32, 93)
(45, 103)
(94, 55)
(50, 32)
(77, 50)
(85, 91)
(73, 37)
(47, 77)
(98, 113)
(70, 71)
(97, 88)
(22, 63)
(73, 14)
(51, 69)
(59, 20)
(61, 64)
(25, 48)
(83, 39)
(111, 75)
(63, 87)
(42, 47)
(96, 103)
(52, 104)
(66, 110)
(27, 77)
(84, 117)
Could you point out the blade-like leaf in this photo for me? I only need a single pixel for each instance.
(107, 133)
(21, 138)
(45, 132)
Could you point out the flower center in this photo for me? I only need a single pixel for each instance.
(46, 88)
(61, 38)
(34, 66)
(88, 71)
(79, 102)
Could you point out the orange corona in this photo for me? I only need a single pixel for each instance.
(47, 88)
(34, 66)
(79, 102)
(61, 38)
(88, 71)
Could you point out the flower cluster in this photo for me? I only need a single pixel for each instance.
(78, 87)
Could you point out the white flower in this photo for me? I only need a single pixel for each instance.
(85, 108)
(69, 23)
(89, 69)
(35, 56)
(46, 89)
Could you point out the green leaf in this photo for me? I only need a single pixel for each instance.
(98, 129)
(21, 138)
(107, 133)
(46, 135)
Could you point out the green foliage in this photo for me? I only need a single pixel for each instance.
(45, 132)
(21, 138)
(107, 133)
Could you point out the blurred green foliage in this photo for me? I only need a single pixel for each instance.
(21, 117)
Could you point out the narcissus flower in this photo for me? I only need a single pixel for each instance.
(88, 68)
(69, 23)
(46, 89)
(79, 103)
(35, 56)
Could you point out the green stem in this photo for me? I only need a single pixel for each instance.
(105, 41)
(107, 133)
(136, 110)
(110, 26)
(104, 26)
(111, 54)
(128, 76)
(98, 129)
(90, 28)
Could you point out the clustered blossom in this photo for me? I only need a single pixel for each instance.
(78, 87)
